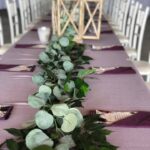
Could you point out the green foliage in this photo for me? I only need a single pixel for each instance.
(44, 120)
(82, 87)
(12, 145)
(43, 147)
(85, 72)
(58, 124)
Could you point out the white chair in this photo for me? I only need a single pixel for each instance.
(1, 33)
(25, 14)
(142, 66)
(13, 19)
(34, 10)
(128, 33)
(120, 27)
(3, 48)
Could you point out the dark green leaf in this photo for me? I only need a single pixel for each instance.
(15, 132)
(12, 145)
(43, 147)
(85, 72)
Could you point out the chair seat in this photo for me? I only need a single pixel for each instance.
(132, 53)
(123, 39)
(143, 67)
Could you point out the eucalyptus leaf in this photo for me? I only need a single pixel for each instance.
(64, 41)
(54, 38)
(78, 114)
(57, 46)
(61, 74)
(68, 140)
(37, 138)
(65, 58)
(44, 57)
(44, 120)
(62, 147)
(38, 79)
(69, 123)
(60, 110)
(45, 89)
(53, 52)
(68, 66)
(42, 96)
(57, 92)
(36, 102)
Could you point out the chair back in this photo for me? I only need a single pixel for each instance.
(25, 14)
(13, 19)
(1, 34)
(34, 10)
(125, 12)
(139, 30)
(131, 21)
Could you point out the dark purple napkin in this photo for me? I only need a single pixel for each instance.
(139, 119)
(113, 48)
(107, 32)
(5, 67)
(26, 46)
(104, 21)
(46, 20)
(34, 30)
(5, 112)
(121, 70)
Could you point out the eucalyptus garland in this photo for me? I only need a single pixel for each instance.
(58, 123)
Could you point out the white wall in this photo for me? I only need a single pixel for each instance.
(2, 4)
(145, 2)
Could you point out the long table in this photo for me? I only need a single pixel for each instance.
(124, 92)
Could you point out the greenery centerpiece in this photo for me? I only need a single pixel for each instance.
(58, 123)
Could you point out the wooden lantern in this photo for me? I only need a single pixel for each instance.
(83, 15)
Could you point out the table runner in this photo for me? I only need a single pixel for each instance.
(108, 92)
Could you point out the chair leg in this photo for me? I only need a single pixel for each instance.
(148, 76)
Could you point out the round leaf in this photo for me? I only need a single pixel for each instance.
(45, 89)
(56, 46)
(36, 102)
(61, 74)
(69, 123)
(68, 66)
(65, 58)
(69, 86)
(64, 41)
(60, 110)
(37, 138)
(42, 96)
(57, 92)
(44, 57)
(62, 147)
(78, 114)
(37, 79)
(44, 120)
(67, 140)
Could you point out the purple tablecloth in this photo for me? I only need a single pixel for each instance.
(124, 92)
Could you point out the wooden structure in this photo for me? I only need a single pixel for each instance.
(83, 15)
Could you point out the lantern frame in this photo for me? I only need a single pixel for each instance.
(84, 24)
